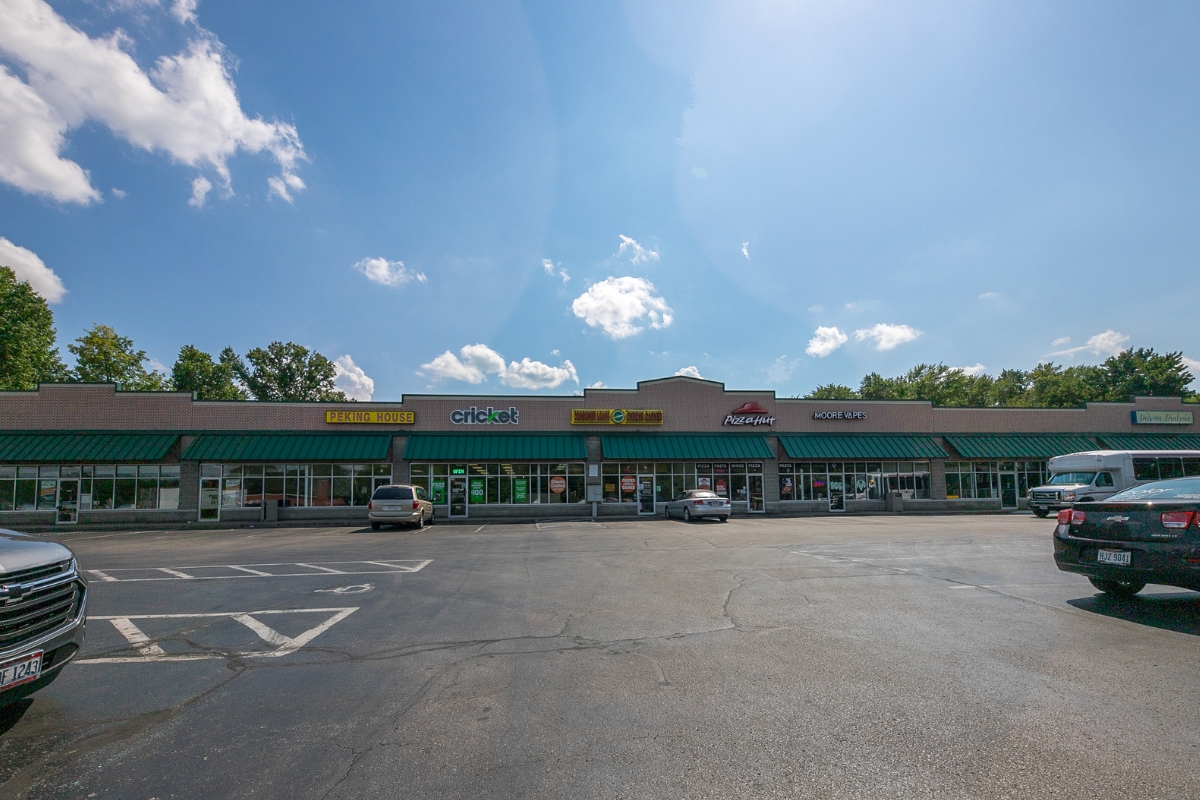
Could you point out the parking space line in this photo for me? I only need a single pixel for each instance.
(323, 569)
(417, 568)
(248, 570)
(102, 575)
(134, 635)
(193, 573)
(177, 573)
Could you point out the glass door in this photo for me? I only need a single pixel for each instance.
(68, 501)
(458, 496)
(210, 498)
(1008, 490)
(837, 492)
(756, 495)
(646, 494)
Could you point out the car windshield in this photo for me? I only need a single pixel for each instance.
(1177, 489)
(703, 494)
(1064, 478)
(393, 493)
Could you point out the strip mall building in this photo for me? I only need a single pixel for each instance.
(89, 454)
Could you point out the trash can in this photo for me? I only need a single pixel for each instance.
(271, 510)
(894, 502)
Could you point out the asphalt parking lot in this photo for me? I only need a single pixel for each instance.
(849, 657)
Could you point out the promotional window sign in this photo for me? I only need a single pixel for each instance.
(484, 416)
(476, 492)
(628, 483)
(785, 489)
(703, 482)
(520, 490)
(616, 416)
(558, 484)
(439, 490)
(371, 417)
(839, 415)
(749, 414)
(721, 487)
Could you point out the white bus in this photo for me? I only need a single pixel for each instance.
(1097, 474)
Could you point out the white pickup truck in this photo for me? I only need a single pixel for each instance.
(1097, 474)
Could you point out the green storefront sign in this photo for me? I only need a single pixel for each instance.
(439, 490)
(520, 490)
(476, 490)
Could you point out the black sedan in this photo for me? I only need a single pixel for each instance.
(1148, 534)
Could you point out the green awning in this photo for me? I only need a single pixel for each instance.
(231, 447)
(85, 446)
(684, 447)
(1021, 445)
(860, 446)
(1149, 441)
(496, 447)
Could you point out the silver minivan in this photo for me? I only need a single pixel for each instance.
(399, 504)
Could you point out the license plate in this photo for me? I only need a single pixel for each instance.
(22, 670)
(1121, 558)
(391, 508)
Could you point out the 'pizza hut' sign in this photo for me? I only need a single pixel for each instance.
(749, 414)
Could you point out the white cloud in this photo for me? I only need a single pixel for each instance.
(563, 274)
(1193, 366)
(555, 352)
(32, 270)
(989, 295)
(780, 370)
(978, 369)
(597, 385)
(746, 250)
(639, 254)
(1059, 342)
(528, 374)
(352, 380)
(184, 10)
(887, 337)
(851, 306)
(185, 106)
(1108, 343)
(388, 273)
(690, 372)
(548, 265)
(200, 189)
(826, 341)
(280, 185)
(120, 194)
(616, 304)
(816, 309)
(476, 361)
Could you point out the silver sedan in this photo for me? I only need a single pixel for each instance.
(696, 503)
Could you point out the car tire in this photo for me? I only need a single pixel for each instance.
(687, 515)
(421, 520)
(1041, 513)
(724, 519)
(375, 526)
(430, 522)
(1117, 588)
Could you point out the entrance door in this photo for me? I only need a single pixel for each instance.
(837, 493)
(756, 495)
(458, 496)
(68, 501)
(1008, 490)
(646, 494)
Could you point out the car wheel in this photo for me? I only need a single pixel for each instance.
(430, 517)
(420, 520)
(374, 526)
(1117, 588)
(687, 515)
(724, 519)
(1041, 513)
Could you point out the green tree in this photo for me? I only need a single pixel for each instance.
(1052, 386)
(28, 355)
(196, 372)
(1145, 373)
(832, 391)
(285, 372)
(104, 356)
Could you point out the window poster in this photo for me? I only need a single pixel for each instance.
(703, 482)
(520, 490)
(476, 493)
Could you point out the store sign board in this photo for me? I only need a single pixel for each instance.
(370, 417)
(616, 416)
(1162, 417)
(749, 414)
(839, 415)
(484, 416)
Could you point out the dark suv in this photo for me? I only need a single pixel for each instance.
(1148, 534)
(43, 608)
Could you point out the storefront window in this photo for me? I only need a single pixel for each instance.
(496, 483)
(292, 485)
(96, 487)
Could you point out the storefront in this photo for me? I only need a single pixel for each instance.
(88, 454)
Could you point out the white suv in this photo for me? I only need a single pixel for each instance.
(399, 504)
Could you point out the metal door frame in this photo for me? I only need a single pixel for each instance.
(1016, 490)
(653, 500)
(450, 496)
(58, 520)
(842, 492)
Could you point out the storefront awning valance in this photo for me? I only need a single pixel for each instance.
(85, 446)
(496, 447)
(683, 447)
(1021, 445)
(232, 447)
(860, 446)
(1149, 441)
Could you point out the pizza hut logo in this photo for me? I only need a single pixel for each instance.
(749, 414)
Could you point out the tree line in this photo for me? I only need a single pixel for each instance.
(1131, 373)
(29, 355)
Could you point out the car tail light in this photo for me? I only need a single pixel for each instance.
(1064, 517)
(416, 505)
(1078, 517)
(697, 502)
(368, 505)
(1177, 519)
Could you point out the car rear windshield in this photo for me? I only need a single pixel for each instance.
(1064, 478)
(1178, 489)
(704, 494)
(393, 493)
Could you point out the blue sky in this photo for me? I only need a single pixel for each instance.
(501, 196)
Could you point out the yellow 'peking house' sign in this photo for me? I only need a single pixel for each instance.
(370, 417)
(616, 416)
